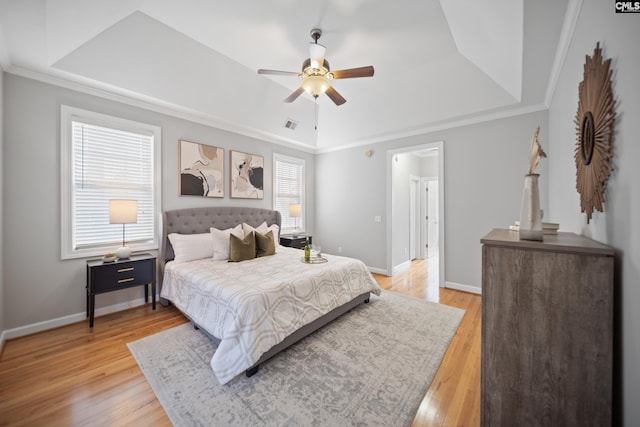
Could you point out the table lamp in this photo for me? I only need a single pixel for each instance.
(295, 212)
(123, 212)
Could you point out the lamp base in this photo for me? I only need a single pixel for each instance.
(123, 252)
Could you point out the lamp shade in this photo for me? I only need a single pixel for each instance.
(295, 210)
(123, 211)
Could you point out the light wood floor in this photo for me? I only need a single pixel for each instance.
(73, 377)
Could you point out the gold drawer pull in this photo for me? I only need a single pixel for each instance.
(123, 270)
(130, 279)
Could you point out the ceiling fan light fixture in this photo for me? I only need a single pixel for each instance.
(317, 75)
(316, 85)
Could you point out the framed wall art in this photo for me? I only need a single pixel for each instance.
(201, 170)
(247, 175)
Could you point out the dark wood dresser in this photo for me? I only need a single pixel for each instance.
(547, 331)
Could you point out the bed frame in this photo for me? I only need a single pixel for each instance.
(200, 220)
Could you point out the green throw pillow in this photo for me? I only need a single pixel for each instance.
(242, 249)
(265, 244)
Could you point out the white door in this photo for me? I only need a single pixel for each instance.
(432, 218)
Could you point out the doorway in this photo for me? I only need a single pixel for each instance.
(416, 230)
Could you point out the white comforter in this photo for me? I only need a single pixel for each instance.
(253, 305)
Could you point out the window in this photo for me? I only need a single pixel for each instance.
(288, 188)
(104, 158)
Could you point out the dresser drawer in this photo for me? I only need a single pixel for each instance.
(110, 277)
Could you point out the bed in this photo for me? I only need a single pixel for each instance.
(258, 307)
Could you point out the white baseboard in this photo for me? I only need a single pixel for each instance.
(402, 267)
(466, 288)
(377, 270)
(66, 320)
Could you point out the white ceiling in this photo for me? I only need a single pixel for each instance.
(437, 63)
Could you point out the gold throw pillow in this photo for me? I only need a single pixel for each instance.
(242, 249)
(265, 244)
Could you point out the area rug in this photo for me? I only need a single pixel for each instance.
(372, 366)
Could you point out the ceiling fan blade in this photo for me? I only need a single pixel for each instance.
(316, 55)
(295, 95)
(278, 73)
(353, 72)
(335, 96)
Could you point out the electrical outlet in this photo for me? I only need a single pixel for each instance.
(339, 249)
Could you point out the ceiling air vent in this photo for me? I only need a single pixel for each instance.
(290, 124)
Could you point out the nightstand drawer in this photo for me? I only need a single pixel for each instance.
(110, 277)
(294, 242)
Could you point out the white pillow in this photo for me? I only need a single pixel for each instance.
(189, 247)
(221, 241)
(276, 233)
(263, 229)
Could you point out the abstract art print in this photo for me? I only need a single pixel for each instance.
(247, 175)
(201, 170)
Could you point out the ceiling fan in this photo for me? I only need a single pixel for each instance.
(316, 74)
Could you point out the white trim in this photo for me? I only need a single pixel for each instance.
(134, 99)
(70, 319)
(377, 270)
(465, 288)
(114, 93)
(2, 340)
(453, 124)
(568, 28)
(303, 186)
(402, 267)
(67, 114)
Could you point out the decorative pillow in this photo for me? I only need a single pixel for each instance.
(189, 247)
(276, 234)
(221, 241)
(263, 229)
(242, 249)
(265, 245)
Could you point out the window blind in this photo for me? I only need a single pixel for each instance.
(110, 164)
(289, 189)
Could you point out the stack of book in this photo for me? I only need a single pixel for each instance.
(548, 228)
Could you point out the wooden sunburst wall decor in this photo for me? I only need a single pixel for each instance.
(594, 128)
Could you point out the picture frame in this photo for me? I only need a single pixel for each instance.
(247, 175)
(201, 170)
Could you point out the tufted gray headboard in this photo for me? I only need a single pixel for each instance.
(200, 220)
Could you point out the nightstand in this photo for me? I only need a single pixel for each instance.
(105, 277)
(294, 242)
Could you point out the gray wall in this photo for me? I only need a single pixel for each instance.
(484, 173)
(618, 35)
(429, 167)
(38, 286)
(350, 192)
(3, 309)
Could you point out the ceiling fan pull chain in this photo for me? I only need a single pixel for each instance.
(317, 107)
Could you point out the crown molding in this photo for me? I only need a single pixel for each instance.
(134, 99)
(566, 35)
(479, 118)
